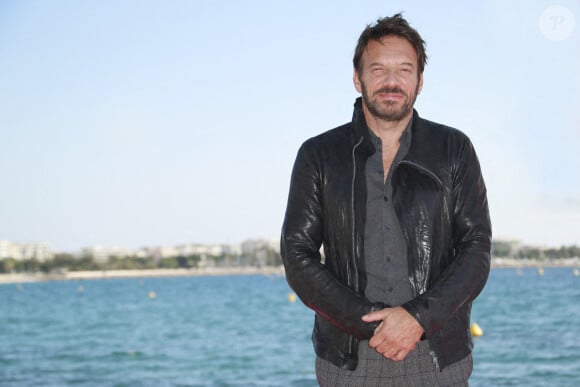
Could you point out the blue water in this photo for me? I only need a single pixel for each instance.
(243, 331)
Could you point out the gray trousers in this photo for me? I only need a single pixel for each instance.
(418, 369)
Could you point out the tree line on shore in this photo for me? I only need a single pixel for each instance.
(264, 257)
(506, 249)
(64, 262)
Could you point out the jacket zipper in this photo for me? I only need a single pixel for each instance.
(423, 170)
(353, 234)
(352, 213)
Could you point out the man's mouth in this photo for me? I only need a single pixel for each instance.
(391, 93)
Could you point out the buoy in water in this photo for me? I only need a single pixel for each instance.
(152, 295)
(576, 272)
(540, 271)
(291, 297)
(476, 330)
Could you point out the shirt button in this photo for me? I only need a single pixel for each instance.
(387, 228)
(385, 198)
(388, 259)
(390, 290)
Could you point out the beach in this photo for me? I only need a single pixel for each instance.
(146, 273)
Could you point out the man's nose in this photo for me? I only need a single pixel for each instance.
(391, 78)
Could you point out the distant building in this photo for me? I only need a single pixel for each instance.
(251, 246)
(506, 248)
(8, 250)
(102, 254)
(262, 249)
(232, 249)
(160, 252)
(261, 252)
(201, 249)
(24, 251)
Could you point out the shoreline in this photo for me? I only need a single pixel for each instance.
(15, 278)
(522, 263)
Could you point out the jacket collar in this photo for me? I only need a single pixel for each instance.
(361, 130)
(418, 155)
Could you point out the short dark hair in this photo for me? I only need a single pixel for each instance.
(394, 25)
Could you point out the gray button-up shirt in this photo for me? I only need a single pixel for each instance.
(385, 248)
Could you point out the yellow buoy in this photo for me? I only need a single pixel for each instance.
(540, 271)
(292, 297)
(152, 295)
(476, 330)
(576, 272)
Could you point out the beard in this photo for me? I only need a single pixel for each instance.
(389, 110)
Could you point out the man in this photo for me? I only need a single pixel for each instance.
(399, 205)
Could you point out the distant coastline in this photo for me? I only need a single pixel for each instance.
(497, 263)
(514, 263)
(144, 273)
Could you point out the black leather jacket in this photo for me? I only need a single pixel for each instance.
(440, 199)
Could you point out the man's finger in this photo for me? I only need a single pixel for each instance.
(379, 338)
(399, 356)
(374, 316)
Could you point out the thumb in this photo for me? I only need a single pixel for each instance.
(374, 316)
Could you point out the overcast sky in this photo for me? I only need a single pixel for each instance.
(142, 123)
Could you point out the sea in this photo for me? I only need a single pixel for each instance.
(249, 330)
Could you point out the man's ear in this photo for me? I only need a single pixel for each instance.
(420, 86)
(356, 81)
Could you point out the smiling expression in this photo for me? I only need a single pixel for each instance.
(389, 80)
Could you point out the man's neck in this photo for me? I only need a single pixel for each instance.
(388, 131)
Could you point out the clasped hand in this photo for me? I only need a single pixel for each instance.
(397, 334)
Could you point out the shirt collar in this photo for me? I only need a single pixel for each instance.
(404, 140)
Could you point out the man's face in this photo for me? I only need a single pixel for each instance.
(388, 79)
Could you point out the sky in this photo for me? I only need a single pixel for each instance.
(143, 123)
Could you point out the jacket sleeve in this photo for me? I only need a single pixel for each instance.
(467, 273)
(302, 235)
